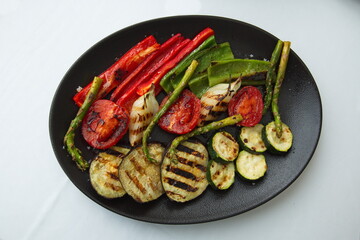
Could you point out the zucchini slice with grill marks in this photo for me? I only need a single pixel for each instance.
(140, 177)
(186, 179)
(220, 176)
(251, 166)
(273, 143)
(223, 147)
(250, 139)
(104, 175)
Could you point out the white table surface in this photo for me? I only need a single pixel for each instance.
(40, 40)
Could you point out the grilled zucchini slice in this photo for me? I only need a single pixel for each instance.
(251, 166)
(220, 176)
(186, 179)
(223, 147)
(273, 143)
(140, 177)
(104, 175)
(250, 139)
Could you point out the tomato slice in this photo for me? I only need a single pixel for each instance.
(248, 102)
(104, 124)
(183, 115)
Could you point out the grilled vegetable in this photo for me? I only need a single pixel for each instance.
(251, 166)
(220, 176)
(279, 79)
(202, 40)
(141, 178)
(275, 144)
(271, 75)
(69, 142)
(105, 124)
(183, 115)
(120, 149)
(167, 105)
(215, 100)
(104, 175)
(142, 112)
(201, 130)
(250, 139)
(185, 180)
(223, 147)
(221, 71)
(248, 102)
(117, 72)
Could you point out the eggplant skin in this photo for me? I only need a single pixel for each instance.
(140, 177)
(104, 176)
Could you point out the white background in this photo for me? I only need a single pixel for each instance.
(40, 40)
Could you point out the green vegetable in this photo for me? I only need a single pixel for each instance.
(222, 71)
(172, 98)
(271, 75)
(250, 139)
(165, 82)
(201, 130)
(251, 167)
(223, 147)
(199, 85)
(219, 175)
(275, 144)
(216, 53)
(279, 79)
(75, 123)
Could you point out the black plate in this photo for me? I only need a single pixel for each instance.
(300, 106)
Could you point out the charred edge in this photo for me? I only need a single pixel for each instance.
(180, 185)
(136, 182)
(181, 172)
(138, 130)
(113, 176)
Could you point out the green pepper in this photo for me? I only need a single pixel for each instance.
(222, 71)
(215, 53)
(199, 85)
(165, 82)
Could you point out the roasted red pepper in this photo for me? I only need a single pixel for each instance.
(192, 45)
(121, 68)
(125, 94)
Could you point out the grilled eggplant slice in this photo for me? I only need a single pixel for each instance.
(104, 175)
(221, 176)
(186, 179)
(140, 177)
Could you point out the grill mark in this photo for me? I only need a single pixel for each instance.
(138, 130)
(136, 182)
(229, 137)
(180, 185)
(169, 193)
(181, 172)
(191, 163)
(113, 176)
(112, 186)
(140, 169)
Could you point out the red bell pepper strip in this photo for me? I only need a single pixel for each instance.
(147, 67)
(192, 45)
(125, 94)
(121, 68)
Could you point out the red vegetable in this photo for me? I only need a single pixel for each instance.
(125, 94)
(248, 102)
(121, 68)
(104, 124)
(194, 43)
(183, 115)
